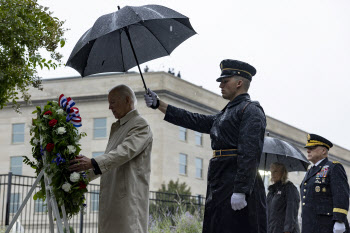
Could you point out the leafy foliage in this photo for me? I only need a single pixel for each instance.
(170, 197)
(26, 27)
(55, 143)
(176, 187)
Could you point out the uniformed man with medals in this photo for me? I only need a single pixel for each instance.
(235, 200)
(324, 191)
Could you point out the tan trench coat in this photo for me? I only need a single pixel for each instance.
(125, 167)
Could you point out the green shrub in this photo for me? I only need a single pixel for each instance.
(181, 221)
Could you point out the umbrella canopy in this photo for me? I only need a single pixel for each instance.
(129, 37)
(276, 150)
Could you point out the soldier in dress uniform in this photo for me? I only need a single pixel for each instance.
(235, 200)
(324, 191)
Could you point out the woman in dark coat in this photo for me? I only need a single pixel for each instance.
(282, 202)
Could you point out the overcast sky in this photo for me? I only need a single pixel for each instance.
(301, 50)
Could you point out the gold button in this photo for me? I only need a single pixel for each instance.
(303, 203)
(304, 190)
(327, 213)
(305, 183)
(304, 197)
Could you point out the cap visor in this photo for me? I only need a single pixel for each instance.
(224, 76)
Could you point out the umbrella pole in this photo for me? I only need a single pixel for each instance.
(265, 167)
(137, 62)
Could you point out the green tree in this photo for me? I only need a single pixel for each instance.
(176, 187)
(25, 28)
(170, 197)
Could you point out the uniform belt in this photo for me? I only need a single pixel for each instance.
(228, 152)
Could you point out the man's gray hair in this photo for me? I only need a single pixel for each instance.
(124, 90)
(246, 82)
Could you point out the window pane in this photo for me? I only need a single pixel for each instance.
(100, 129)
(182, 169)
(16, 138)
(18, 128)
(100, 123)
(16, 165)
(17, 133)
(198, 173)
(198, 141)
(15, 202)
(100, 133)
(183, 159)
(182, 133)
(94, 202)
(199, 163)
(198, 138)
(95, 154)
(199, 168)
(39, 206)
(183, 164)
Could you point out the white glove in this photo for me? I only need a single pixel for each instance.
(339, 227)
(151, 99)
(238, 201)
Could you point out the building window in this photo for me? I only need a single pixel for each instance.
(16, 165)
(183, 164)
(15, 202)
(183, 133)
(94, 204)
(199, 137)
(199, 168)
(95, 154)
(17, 133)
(100, 127)
(39, 206)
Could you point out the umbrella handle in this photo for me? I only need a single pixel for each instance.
(137, 62)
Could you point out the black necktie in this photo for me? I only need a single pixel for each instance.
(312, 170)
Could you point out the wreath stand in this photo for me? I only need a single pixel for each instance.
(51, 201)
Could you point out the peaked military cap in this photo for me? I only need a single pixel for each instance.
(230, 68)
(316, 140)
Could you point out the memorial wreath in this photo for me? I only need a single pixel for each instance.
(55, 141)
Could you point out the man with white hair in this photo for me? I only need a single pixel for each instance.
(324, 191)
(124, 168)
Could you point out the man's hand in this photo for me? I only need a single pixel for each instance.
(339, 227)
(238, 201)
(151, 99)
(80, 163)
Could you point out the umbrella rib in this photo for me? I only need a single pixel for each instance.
(121, 49)
(155, 37)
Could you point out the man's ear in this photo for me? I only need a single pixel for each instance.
(240, 83)
(127, 99)
(325, 150)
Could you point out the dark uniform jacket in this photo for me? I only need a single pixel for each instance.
(238, 126)
(282, 208)
(325, 197)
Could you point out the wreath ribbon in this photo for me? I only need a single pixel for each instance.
(73, 115)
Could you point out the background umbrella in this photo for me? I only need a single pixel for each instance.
(277, 150)
(129, 37)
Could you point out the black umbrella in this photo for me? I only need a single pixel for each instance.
(129, 37)
(276, 150)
